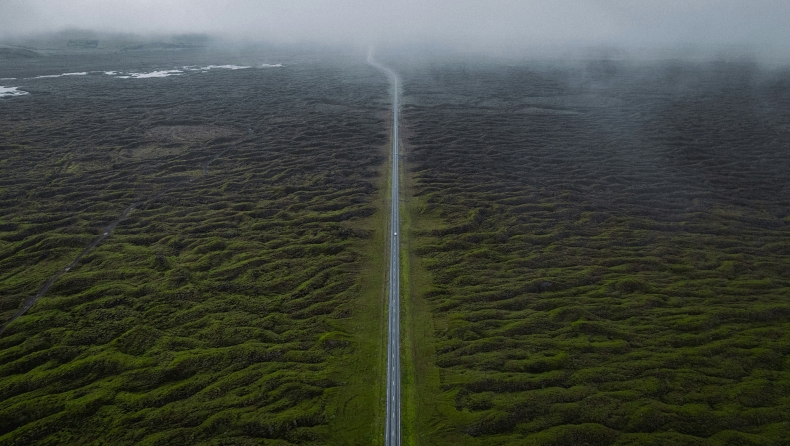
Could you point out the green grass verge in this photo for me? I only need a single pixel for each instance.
(358, 410)
(428, 413)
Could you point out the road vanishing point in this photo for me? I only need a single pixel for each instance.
(393, 425)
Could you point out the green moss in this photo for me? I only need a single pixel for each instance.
(585, 251)
(239, 304)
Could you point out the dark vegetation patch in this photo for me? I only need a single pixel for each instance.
(18, 53)
(215, 311)
(179, 132)
(613, 274)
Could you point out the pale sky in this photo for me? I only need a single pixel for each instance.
(470, 23)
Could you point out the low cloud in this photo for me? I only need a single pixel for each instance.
(502, 24)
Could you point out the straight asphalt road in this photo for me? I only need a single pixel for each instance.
(392, 430)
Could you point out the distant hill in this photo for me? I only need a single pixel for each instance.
(82, 44)
(158, 46)
(17, 53)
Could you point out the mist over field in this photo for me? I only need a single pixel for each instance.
(497, 26)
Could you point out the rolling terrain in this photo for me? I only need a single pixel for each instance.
(193, 251)
(240, 299)
(598, 253)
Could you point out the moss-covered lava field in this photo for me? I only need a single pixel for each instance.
(594, 253)
(240, 300)
(599, 253)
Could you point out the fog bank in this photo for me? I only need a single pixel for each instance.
(493, 25)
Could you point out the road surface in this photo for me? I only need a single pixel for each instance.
(392, 429)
